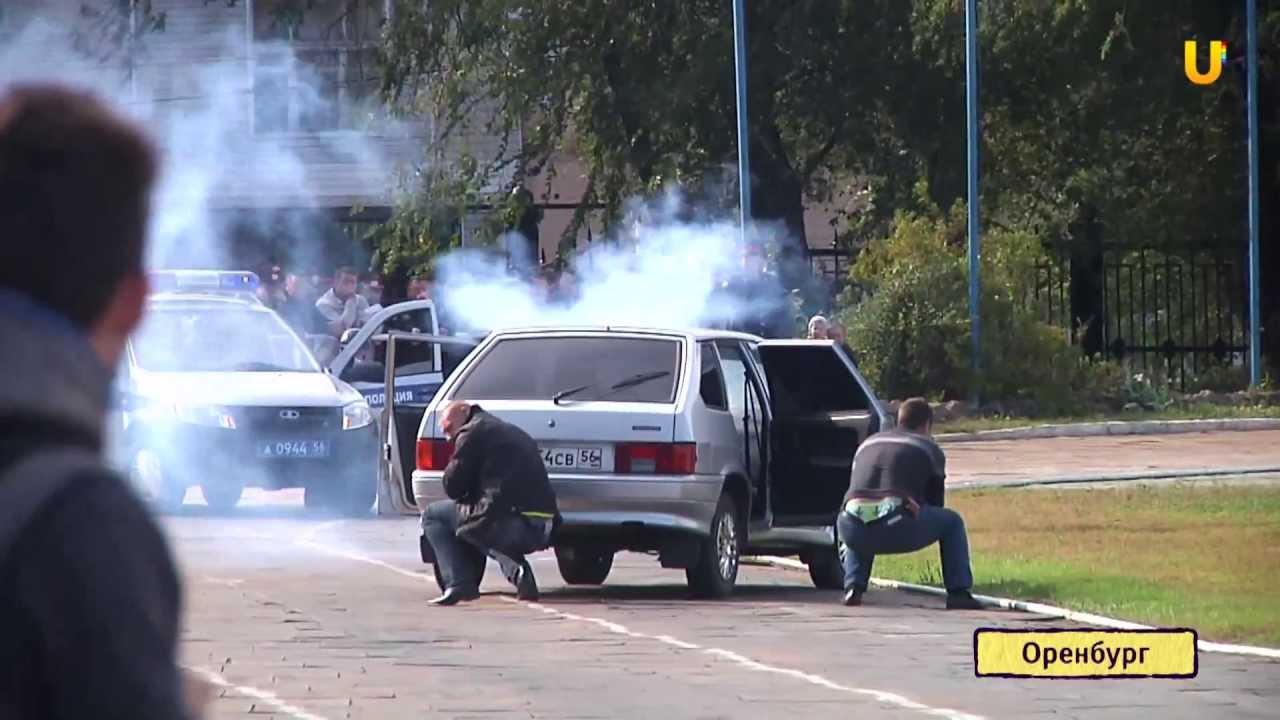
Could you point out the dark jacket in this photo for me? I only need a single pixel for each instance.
(89, 596)
(496, 471)
(900, 464)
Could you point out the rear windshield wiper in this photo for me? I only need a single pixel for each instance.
(638, 379)
(571, 391)
(631, 381)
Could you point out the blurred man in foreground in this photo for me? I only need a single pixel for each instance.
(89, 615)
(894, 505)
(502, 504)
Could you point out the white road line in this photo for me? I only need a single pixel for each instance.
(317, 529)
(1051, 611)
(880, 695)
(266, 697)
(263, 696)
(619, 629)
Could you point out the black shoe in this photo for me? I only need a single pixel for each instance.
(853, 598)
(962, 600)
(526, 584)
(453, 596)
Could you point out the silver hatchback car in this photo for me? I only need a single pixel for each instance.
(700, 446)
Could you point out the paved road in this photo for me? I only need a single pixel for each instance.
(994, 461)
(305, 617)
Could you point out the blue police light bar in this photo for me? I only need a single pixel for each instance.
(203, 281)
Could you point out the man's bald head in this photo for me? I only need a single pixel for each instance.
(454, 415)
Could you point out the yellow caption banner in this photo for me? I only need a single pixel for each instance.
(1085, 653)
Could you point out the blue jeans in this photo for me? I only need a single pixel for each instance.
(906, 534)
(461, 559)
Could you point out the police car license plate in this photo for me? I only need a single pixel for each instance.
(293, 449)
(573, 458)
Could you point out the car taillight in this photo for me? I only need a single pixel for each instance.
(434, 454)
(657, 458)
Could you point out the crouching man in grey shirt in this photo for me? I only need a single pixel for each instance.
(894, 505)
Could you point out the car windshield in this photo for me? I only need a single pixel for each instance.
(576, 369)
(216, 339)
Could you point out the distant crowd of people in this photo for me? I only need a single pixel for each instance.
(820, 328)
(314, 304)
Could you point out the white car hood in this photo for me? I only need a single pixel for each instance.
(244, 389)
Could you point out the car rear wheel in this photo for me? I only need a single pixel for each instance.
(583, 567)
(716, 571)
(825, 569)
(222, 497)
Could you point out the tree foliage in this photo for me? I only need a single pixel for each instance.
(643, 93)
(113, 31)
(1089, 128)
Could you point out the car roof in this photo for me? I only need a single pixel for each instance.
(695, 334)
(203, 300)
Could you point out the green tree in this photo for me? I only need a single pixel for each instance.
(643, 93)
(114, 31)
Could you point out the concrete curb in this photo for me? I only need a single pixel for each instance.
(1144, 427)
(1041, 609)
(1115, 477)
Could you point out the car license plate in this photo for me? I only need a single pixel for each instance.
(573, 458)
(293, 449)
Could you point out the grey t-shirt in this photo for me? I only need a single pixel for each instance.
(899, 463)
(352, 312)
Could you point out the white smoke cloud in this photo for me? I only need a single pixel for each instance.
(217, 177)
(199, 114)
(663, 271)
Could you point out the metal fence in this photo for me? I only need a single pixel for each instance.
(1179, 310)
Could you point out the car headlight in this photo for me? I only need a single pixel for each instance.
(356, 415)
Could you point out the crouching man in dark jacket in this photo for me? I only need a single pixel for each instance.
(501, 505)
(894, 505)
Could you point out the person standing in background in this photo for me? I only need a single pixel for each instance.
(372, 291)
(836, 333)
(342, 307)
(818, 327)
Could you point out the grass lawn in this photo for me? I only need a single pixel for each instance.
(1204, 556)
(1192, 412)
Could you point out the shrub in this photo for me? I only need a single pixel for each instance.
(912, 331)
(1219, 378)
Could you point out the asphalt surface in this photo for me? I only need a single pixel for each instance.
(303, 616)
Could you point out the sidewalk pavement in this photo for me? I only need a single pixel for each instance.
(1000, 461)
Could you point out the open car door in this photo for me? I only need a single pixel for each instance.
(420, 369)
(401, 413)
(822, 409)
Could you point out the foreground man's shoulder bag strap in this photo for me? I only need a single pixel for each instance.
(31, 481)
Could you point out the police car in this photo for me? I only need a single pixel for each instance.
(217, 391)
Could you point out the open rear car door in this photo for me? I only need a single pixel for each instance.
(822, 409)
(401, 413)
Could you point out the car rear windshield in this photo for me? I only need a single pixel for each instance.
(614, 369)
